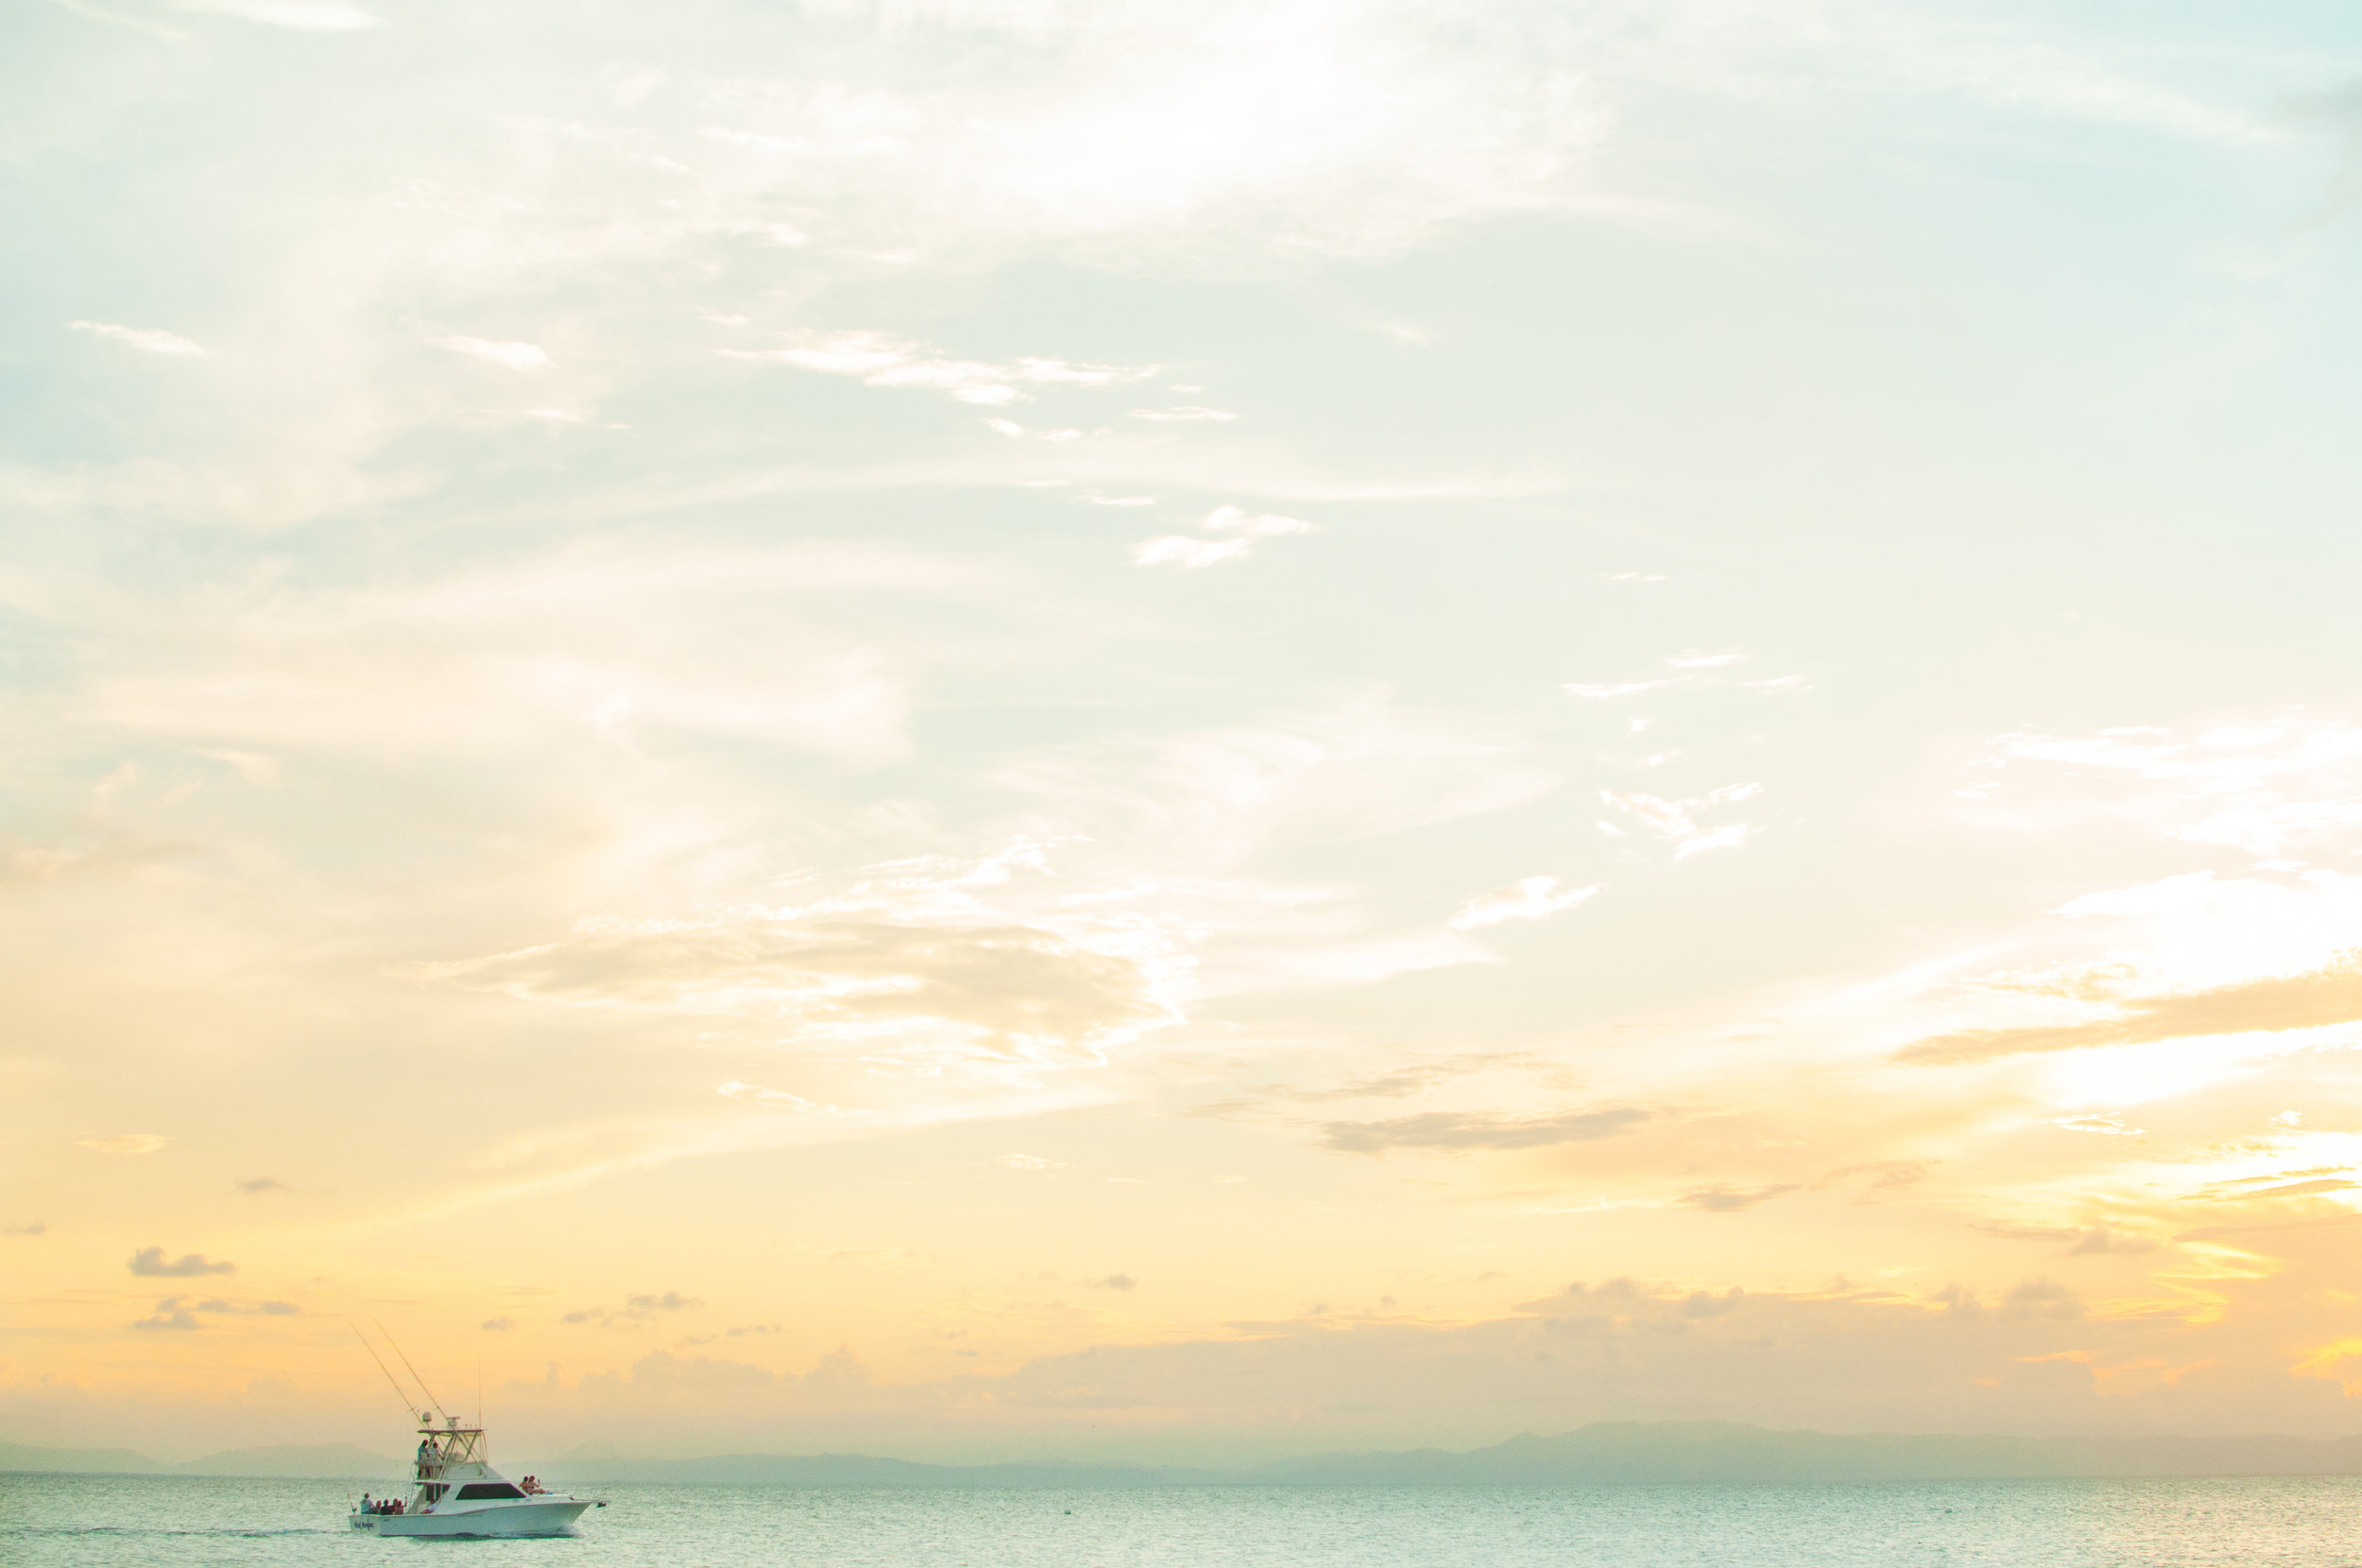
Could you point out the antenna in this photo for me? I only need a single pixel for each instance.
(479, 1390)
(391, 1380)
(406, 1361)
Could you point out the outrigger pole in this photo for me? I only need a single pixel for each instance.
(406, 1361)
(391, 1382)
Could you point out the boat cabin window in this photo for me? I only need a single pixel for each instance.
(477, 1491)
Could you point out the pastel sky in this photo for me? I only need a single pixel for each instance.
(998, 728)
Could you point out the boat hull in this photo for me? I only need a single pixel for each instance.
(502, 1520)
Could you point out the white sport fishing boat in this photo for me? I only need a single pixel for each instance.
(457, 1492)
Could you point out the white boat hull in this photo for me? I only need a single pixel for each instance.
(553, 1517)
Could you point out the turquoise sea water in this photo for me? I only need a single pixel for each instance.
(129, 1521)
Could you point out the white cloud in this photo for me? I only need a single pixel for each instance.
(1029, 1162)
(1622, 688)
(1187, 412)
(311, 16)
(124, 1143)
(761, 1096)
(508, 356)
(1016, 432)
(148, 340)
(1530, 898)
(1677, 819)
(1603, 690)
(877, 359)
(1720, 838)
(1232, 519)
(2099, 1122)
(2263, 788)
(1189, 554)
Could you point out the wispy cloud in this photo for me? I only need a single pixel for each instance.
(879, 359)
(1677, 819)
(1191, 555)
(1241, 527)
(1530, 898)
(2272, 1005)
(1724, 1198)
(1184, 413)
(761, 1096)
(1601, 690)
(636, 1310)
(124, 1143)
(1454, 1131)
(508, 356)
(949, 985)
(1016, 432)
(1255, 525)
(311, 16)
(147, 340)
(2272, 788)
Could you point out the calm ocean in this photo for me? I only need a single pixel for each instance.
(129, 1521)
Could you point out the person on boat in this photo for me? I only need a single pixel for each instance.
(532, 1484)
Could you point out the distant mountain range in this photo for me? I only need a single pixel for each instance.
(1606, 1452)
(334, 1462)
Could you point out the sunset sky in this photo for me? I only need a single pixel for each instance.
(1000, 728)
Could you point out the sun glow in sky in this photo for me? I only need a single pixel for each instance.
(992, 728)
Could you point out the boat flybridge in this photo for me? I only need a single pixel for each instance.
(456, 1492)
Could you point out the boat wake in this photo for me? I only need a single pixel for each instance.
(126, 1532)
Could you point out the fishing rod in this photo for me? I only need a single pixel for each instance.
(391, 1382)
(406, 1361)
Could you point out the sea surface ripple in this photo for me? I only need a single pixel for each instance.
(134, 1521)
